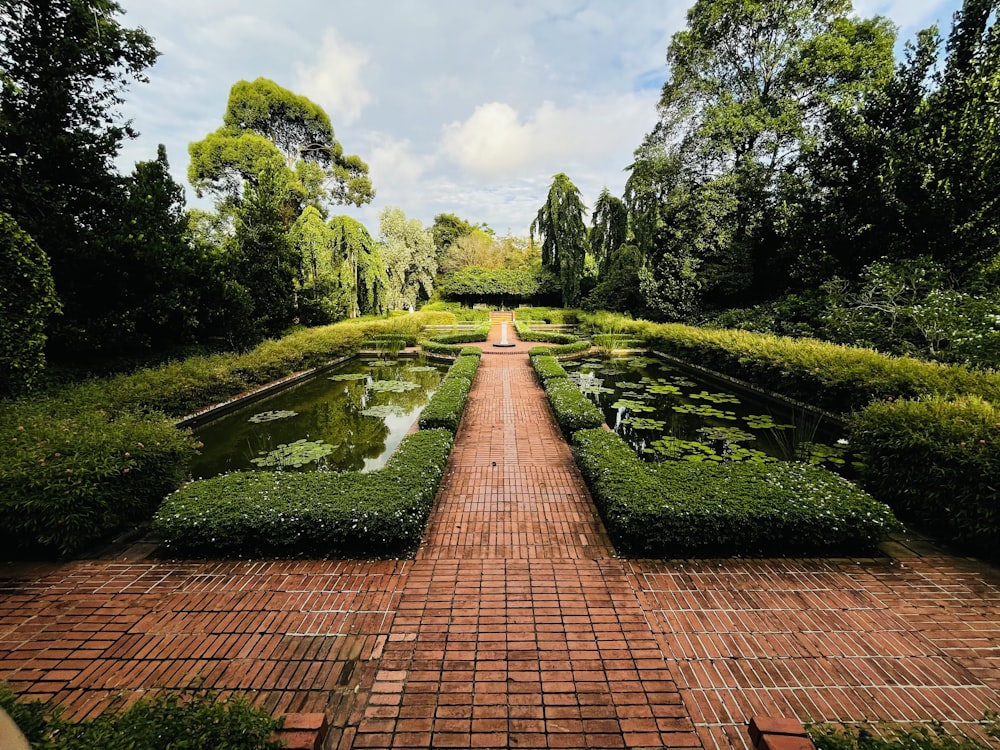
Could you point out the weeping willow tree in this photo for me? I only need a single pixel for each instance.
(560, 225)
(610, 229)
(360, 273)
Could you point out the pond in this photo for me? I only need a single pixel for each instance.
(349, 418)
(666, 412)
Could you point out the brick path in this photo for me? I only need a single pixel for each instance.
(516, 626)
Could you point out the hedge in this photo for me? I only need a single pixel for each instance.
(527, 333)
(446, 406)
(936, 462)
(577, 347)
(678, 508)
(573, 411)
(554, 315)
(80, 463)
(480, 333)
(546, 367)
(177, 719)
(326, 514)
(932, 455)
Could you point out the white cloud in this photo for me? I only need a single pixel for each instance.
(334, 80)
(496, 142)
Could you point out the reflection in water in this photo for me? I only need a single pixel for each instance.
(295, 427)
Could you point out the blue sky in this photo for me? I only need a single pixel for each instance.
(464, 106)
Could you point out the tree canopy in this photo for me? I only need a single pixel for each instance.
(560, 224)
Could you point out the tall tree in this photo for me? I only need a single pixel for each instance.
(560, 224)
(362, 271)
(750, 82)
(65, 66)
(266, 125)
(609, 229)
(409, 257)
(446, 229)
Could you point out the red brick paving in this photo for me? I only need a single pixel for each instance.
(516, 626)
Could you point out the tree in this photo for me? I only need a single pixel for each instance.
(561, 227)
(264, 263)
(609, 230)
(27, 299)
(409, 257)
(320, 297)
(66, 64)
(362, 274)
(446, 229)
(750, 83)
(265, 126)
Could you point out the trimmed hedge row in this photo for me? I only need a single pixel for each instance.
(678, 508)
(326, 514)
(933, 456)
(80, 463)
(573, 411)
(834, 377)
(527, 333)
(446, 406)
(462, 337)
(553, 315)
(937, 462)
(576, 347)
(546, 367)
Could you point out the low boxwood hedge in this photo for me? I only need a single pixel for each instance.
(480, 333)
(573, 411)
(679, 508)
(563, 350)
(325, 514)
(546, 367)
(446, 406)
(526, 333)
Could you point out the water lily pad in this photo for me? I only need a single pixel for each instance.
(716, 398)
(644, 423)
(765, 422)
(676, 449)
(393, 386)
(294, 455)
(682, 381)
(643, 362)
(270, 416)
(729, 434)
(630, 385)
(820, 453)
(350, 376)
(421, 368)
(638, 395)
(665, 389)
(625, 403)
(382, 363)
(383, 411)
(704, 410)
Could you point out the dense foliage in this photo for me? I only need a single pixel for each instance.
(326, 514)
(932, 735)
(446, 406)
(175, 719)
(679, 508)
(27, 299)
(573, 411)
(500, 286)
(564, 236)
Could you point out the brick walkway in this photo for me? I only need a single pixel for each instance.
(516, 626)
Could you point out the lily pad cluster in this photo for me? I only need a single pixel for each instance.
(294, 455)
(393, 386)
(271, 416)
(382, 411)
(350, 376)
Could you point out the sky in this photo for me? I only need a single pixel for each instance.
(459, 106)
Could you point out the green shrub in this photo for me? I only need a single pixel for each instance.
(470, 351)
(526, 333)
(324, 514)
(463, 337)
(464, 367)
(573, 410)
(546, 367)
(433, 347)
(577, 347)
(935, 462)
(175, 719)
(679, 508)
(444, 410)
(68, 481)
(892, 736)
(553, 315)
(462, 314)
